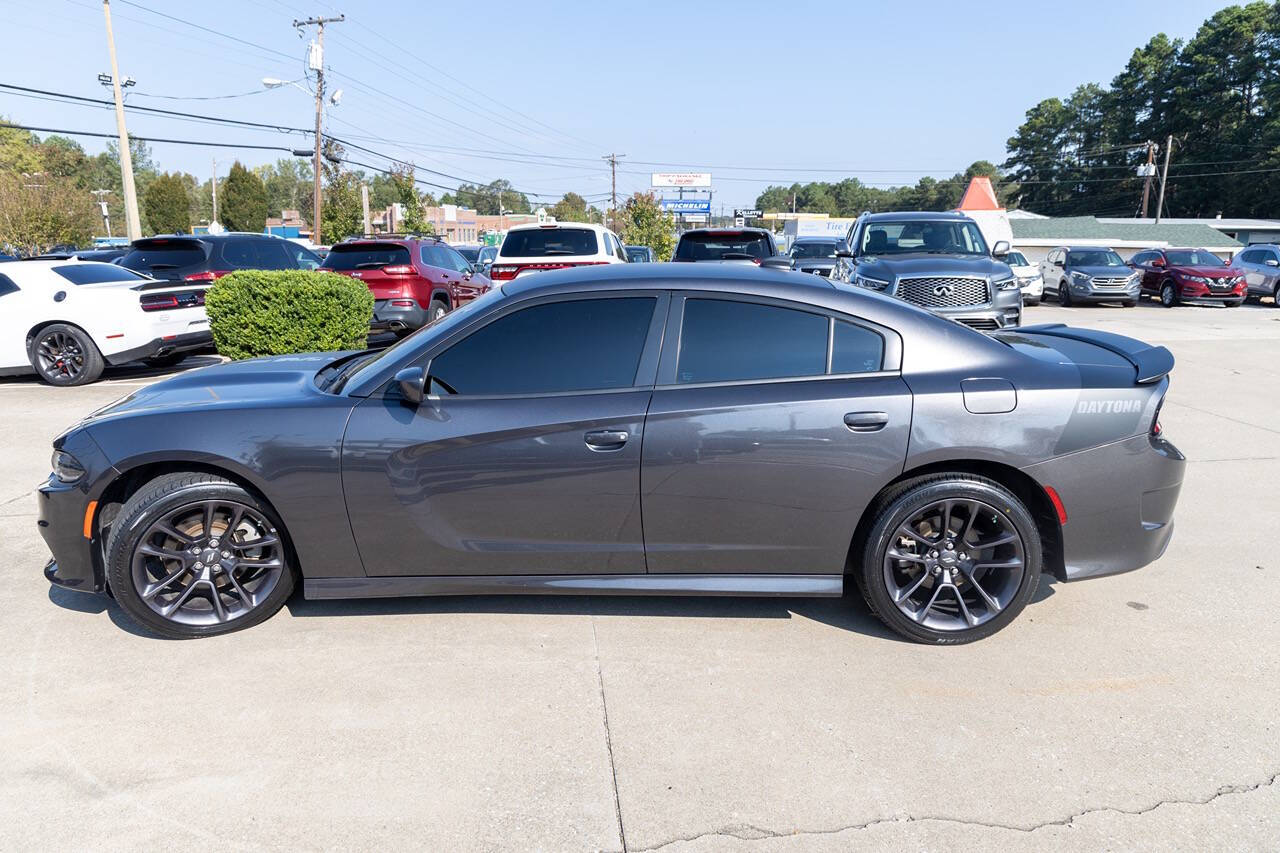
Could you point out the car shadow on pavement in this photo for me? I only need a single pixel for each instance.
(134, 370)
(80, 602)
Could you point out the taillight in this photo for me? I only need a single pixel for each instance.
(1155, 421)
(207, 275)
(403, 303)
(398, 269)
(158, 302)
(503, 273)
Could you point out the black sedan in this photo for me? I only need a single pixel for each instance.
(777, 435)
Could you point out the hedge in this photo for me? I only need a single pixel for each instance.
(261, 312)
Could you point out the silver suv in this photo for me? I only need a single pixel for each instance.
(938, 261)
(1261, 265)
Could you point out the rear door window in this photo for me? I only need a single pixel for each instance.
(96, 273)
(365, 257)
(550, 242)
(577, 345)
(723, 340)
(256, 254)
(722, 246)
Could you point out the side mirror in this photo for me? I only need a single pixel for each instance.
(412, 382)
(843, 253)
(777, 262)
(1001, 249)
(1272, 262)
(1157, 262)
(1059, 263)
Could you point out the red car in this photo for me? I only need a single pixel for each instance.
(1195, 276)
(414, 280)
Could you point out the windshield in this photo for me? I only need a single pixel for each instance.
(365, 256)
(815, 249)
(1192, 258)
(922, 236)
(549, 242)
(1016, 259)
(722, 245)
(637, 254)
(1096, 258)
(441, 325)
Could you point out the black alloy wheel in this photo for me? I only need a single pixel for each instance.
(64, 355)
(1064, 295)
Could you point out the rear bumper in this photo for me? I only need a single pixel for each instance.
(163, 346)
(1119, 500)
(397, 318)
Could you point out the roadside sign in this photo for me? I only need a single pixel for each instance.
(746, 213)
(681, 179)
(738, 222)
(685, 206)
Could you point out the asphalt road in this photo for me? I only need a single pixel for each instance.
(1136, 711)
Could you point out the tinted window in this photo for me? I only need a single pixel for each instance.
(588, 344)
(724, 341)
(163, 254)
(549, 242)
(1016, 259)
(471, 253)
(435, 256)
(1192, 258)
(814, 249)
(455, 260)
(95, 273)
(855, 349)
(365, 256)
(303, 258)
(1250, 257)
(722, 245)
(917, 235)
(1094, 258)
(248, 253)
(7, 286)
(638, 254)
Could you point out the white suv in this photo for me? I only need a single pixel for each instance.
(553, 246)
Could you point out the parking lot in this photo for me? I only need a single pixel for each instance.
(1112, 713)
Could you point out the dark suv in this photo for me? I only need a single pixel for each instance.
(206, 257)
(414, 279)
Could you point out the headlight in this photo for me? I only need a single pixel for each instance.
(66, 467)
(1010, 283)
(873, 283)
(1079, 275)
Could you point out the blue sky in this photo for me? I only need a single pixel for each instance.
(780, 92)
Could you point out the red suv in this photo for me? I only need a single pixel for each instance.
(1189, 275)
(414, 280)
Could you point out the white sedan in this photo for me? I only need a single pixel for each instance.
(66, 320)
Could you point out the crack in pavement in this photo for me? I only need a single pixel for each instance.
(608, 738)
(750, 832)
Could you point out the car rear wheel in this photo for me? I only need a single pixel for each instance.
(1064, 295)
(194, 555)
(1168, 295)
(65, 355)
(438, 310)
(950, 558)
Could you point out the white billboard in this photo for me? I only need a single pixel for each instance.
(681, 179)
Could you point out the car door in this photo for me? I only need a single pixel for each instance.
(19, 312)
(1050, 271)
(524, 458)
(772, 427)
(467, 286)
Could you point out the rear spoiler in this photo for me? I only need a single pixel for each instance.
(1151, 363)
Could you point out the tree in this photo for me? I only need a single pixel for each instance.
(644, 223)
(38, 212)
(574, 208)
(489, 200)
(242, 200)
(343, 214)
(406, 194)
(288, 183)
(168, 206)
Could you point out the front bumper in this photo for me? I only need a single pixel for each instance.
(1003, 312)
(163, 346)
(1119, 499)
(1231, 299)
(61, 510)
(1089, 293)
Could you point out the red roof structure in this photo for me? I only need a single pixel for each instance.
(980, 195)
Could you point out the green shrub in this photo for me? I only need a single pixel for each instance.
(261, 312)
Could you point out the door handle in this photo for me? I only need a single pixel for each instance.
(866, 421)
(606, 439)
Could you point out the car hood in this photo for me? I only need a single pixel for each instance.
(1104, 271)
(1024, 272)
(273, 379)
(882, 266)
(1211, 272)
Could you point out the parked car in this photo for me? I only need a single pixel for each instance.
(730, 246)
(4, 257)
(206, 257)
(1089, 274)
(415, 280)
(938, 261)
(816, 255)
(1030, 281)
(779, 435)
(1261, 267)
(533, 248)
(640, 255)
(1188, 275)
(66, 320)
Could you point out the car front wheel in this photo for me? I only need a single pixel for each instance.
(949, 559)
(194, 555)
(1168, 295)
(1276, 296)
(65, 355)
(1064, 295)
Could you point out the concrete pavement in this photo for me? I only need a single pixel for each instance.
(1124, 712)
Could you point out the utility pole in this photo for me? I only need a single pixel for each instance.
(133, 226)
(102, 205)
(613, 193)
(214, 183)
(1151, 171)
(316, 61)
(364, 209)
(1164, 178)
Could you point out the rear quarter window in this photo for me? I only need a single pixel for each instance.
(7, 286)
(550, 242)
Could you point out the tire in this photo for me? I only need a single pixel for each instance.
(150, 570)
(166, 360)
(1275, 297)
(1064, 295)
(1129, 303)
(1033, 301)
(438, 310)
(955, 606)
(64, 355)
(1168, 295)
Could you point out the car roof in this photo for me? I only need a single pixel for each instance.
(920, 215)
(814, 238)
(746, 229)
(1090, 248)
(534, 226)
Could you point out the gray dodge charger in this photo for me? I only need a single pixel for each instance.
(633, 430)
